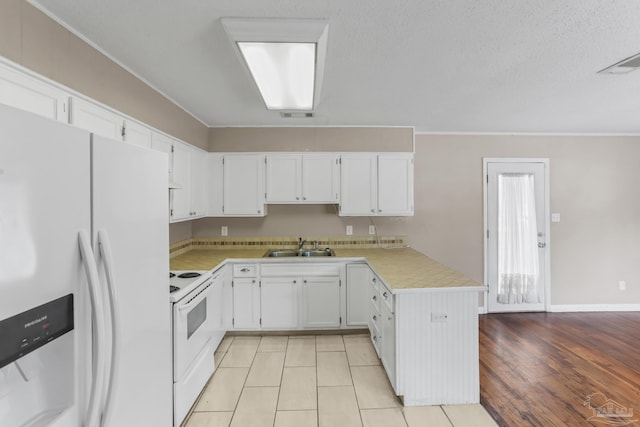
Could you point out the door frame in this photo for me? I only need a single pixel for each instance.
(547, 222)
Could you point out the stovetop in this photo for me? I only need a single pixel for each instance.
(185, 282)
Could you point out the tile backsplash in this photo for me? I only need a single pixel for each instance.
(338, 242)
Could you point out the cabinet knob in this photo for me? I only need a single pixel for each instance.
(295, 281)
(375, 338)
(258, 210)
(374, 280)
(379, 210)
(304, 198)
(304, 281)
(253, 281)
(372, 210)
(384, 294)
(375, 317)
(374, 297)
(297, 198)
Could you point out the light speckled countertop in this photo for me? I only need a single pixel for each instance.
(403, 269)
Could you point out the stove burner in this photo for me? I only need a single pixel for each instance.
(171, 275)
(173, 288)
(189, 275)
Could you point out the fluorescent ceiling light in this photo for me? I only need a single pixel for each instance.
(283, 72)
(285, 58)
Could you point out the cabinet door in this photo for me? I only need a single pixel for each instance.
(320, 178)
(198, 172)
(30, 94)
(243, 185)
(246, 304)
(321, 302)
(213, 184)
(358, 278)
(279, 302)
(388, 343)
(96, 119)
(395, 184)
(180, 209)
(136, 133)
(358, 192)
(283, 177)
(163, 143)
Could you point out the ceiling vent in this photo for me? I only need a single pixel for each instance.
(625, 66)
(296, 114)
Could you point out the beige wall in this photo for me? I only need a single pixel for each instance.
(30, 38)
(594, 186)
(246, 139)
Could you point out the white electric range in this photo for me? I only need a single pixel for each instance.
(193, 327)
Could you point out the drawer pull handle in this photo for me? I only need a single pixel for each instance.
(375, 317)
(384, 294)
(374, 297)
(244, 270)
(374, 280)
(375, 338)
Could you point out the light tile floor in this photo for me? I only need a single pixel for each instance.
(315, 381)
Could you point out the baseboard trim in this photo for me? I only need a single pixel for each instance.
(573, 308)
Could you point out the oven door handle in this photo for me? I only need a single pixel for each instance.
(196, 299)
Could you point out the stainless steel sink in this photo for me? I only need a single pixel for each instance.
(285, 253)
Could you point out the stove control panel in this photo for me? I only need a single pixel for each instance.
(25, 332)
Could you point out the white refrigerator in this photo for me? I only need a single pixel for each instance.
(83, 223)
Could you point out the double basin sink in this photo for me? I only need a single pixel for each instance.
(287, 253)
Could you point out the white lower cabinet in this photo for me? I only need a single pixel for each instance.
(321, 302)
(246, 303)
(358, 277)
(382, 325)
(279, 302)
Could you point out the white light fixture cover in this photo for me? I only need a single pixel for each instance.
(285, 58)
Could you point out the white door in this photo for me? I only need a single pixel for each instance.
(246, 304)
(516, 235)
(181, 197)
(283, 178)
(321, 296)
(395, 184)
(243, 186)
(320, 178)
(358, 189)
(279, 302)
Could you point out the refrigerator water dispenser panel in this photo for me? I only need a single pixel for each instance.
(25, 332)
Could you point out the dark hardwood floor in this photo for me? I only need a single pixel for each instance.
(537, 369)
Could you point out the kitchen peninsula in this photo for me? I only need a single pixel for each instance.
(421, 314)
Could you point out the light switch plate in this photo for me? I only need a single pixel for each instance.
(349, 230)
(555, 217)
(224, 230)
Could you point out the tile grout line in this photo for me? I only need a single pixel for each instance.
(235, 408)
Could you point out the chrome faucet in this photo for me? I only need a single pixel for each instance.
(301, 243)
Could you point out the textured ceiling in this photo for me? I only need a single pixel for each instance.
(438, 65)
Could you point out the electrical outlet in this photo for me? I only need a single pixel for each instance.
(555, 217)
(439, 317)
(224, 230)
(622, 285)
(349, 230)
(372, 229)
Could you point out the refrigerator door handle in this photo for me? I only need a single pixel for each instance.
(93, 409)
(112, 366)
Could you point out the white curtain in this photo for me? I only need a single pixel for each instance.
(518, 267)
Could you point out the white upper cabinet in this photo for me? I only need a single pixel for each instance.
(302, 178)
(358, 184)
(243, 185)
(96, 119)
(22, 91)
(395, 184)
(181, 196)
(137, 134)
(376, 185)
(163, 143)
(198, 176)
(213, 184)
(320, 178)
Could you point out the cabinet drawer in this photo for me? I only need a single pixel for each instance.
(245, 270)
(386, 297)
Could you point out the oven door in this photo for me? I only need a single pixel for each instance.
(192, 327)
